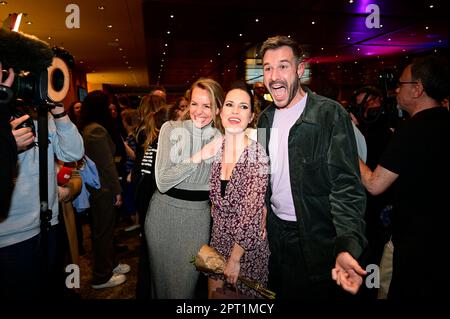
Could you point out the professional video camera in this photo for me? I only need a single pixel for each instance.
(41, 82)
(42, 77)
(388, 110)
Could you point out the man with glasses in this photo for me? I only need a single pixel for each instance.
(416, 159)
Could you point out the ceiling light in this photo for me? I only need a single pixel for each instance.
(49, 38)
(101, 8)
(116, 39)
(389, 39)
(126, 62)
(218, 53)
(256, 20)
(172, 16)
(313, 22)
(164, 53)
(81, 62)
(211, 61)
(165, 44)
(381, 25)
(240, 34)
(440, 41)
(358, 49)
(350, 1)
(168, 32)
(109, 26)
(3, 3)
(29, 22)
(289, 35)
(120, 49)
(426, 28)
(321, 49)
(431, 6)
(348, 38)
(228, 45)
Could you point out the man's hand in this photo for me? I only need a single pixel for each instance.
(24, 137)
(118, 201)
(348, 273)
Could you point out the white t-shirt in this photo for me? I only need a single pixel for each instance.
(281, 200)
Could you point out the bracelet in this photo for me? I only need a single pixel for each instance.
(59, 115)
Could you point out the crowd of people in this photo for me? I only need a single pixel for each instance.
(295, 206)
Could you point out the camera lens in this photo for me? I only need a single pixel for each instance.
(57, 80)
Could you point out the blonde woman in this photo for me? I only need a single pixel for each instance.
(178, 219)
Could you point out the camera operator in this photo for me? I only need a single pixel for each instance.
(416, 159)
(21, 272)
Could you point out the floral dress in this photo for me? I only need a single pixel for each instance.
(237, 216)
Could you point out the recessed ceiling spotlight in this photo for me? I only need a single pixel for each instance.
(240, 34)
(381, 25)
(172, 16)
(431, 6)
(389, 39)
(289, 36)
(49, 38)
(109, 26)
(218, 53)
(440, 41)
(81, 62)
(256, 20)
(321, 49)
(348, 38)
(164, 53)
(350, 1)
(168, 32)
(116, 39)
(3, 3)
(29, 22)
(228, 45)
(313, 22)
(120, 49)
(165, 44)
(426, 28)
(126, 62)
(101, 8)
(358, 49)
(211, 61)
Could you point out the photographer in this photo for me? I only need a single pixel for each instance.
(21, 272)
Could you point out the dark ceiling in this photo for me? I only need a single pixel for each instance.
(329, 31)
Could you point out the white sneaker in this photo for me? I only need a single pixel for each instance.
(115, 280)
(122, 269)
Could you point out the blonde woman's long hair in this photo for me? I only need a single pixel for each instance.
(149, 105)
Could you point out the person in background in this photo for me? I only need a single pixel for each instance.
(178, 218)
(416, 162)
(315, 198)
(96, 122)
(238, 183)
(178, 110)
(130, 119)
(74, 112)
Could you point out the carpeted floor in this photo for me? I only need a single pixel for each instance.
(127, 252)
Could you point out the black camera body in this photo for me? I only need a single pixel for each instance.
(41, 76)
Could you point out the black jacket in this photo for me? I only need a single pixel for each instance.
(328, 196)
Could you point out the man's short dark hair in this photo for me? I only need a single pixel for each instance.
(433, 73)
(279, 41)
